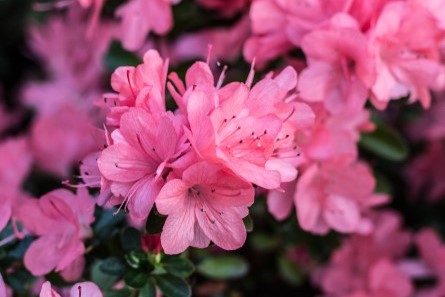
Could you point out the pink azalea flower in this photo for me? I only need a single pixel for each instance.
(226, 43)
(385, 280)
(87, 289)
(269, 40)
(240, 127)
(279, 25)
(144, 150)
(15, 165)
(207, 203)
(73, 62)
(142, 86)
(340, 68)
(365, 263)
(334, 194)
(334, 135)
(67, 134)
(61, 220)
(280, 203)
(140, 17)
(406, 41)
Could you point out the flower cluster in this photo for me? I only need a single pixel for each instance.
(119, 150)
(198, 163)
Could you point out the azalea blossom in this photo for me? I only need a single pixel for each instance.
(340, 67)
(334, 194)
(140, 17)
(365, 265)
(206, 204)
(408, 54)
(15, 165)
(144, 149)
(61, 220)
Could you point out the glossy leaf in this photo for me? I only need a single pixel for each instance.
(224, 267)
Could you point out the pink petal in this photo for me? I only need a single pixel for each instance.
(341, 213)
(87, 289)
(178, 231)
(46, 291)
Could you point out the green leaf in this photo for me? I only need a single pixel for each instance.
(118, 293)
(263, 241)
(112, 266)
(178, 266)
(117, 56)
(172, 286)
(248, 222)
(155, 222)
(105, 224)
(136, 279)
(130, 239)
(103, 280)
(139, 260)
(149, 290)
(386, 143)
(224, 267)
(289, 271)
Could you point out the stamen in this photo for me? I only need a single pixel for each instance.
(80, 291)
(129, 84)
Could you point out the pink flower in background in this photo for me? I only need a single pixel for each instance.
(340, 68)
(87, 289)
(385, 280)
(68, 134)
(61, 220)
(226, 43)
(269, 39)
(279, 26)
(365, 263)
(73, 62)
(144, 150)
(207, 203)
(334, 195)
(140, 17)
(334, 135)
(406, 42)
(15, 164)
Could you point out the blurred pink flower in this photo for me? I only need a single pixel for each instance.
(406, 41)
(226, 43)
(279, 25)
(15, 164)
(67, 134)
(334, 194)
(61, 220)
(364, 265)
(340, 68)
(206, 204)
(140, 17)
